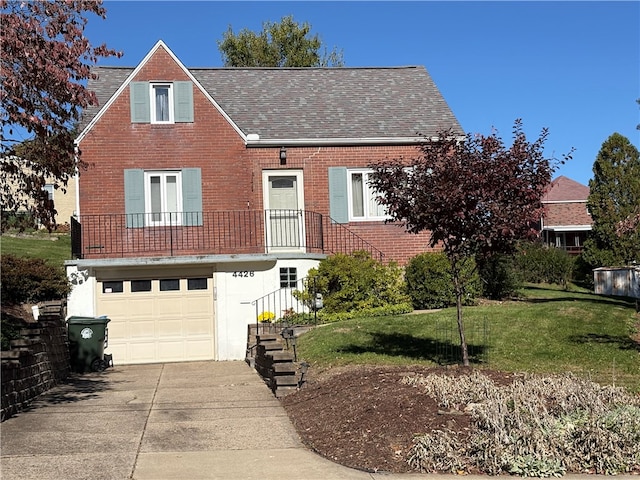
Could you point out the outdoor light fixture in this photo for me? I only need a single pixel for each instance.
(283, 156)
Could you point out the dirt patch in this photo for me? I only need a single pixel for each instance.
(366, 418)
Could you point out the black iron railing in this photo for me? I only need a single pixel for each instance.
(294, 304)
(207, 233)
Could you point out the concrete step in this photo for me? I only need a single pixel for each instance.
(284, 381)
(286, 368)
(278, 357)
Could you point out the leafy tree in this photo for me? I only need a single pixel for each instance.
(284, 44)
(614, 199)
(44, 63)
(476, 196)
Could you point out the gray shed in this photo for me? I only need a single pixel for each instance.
(617, 281)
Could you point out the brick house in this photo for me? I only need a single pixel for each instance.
(566, 221)
(208, 188)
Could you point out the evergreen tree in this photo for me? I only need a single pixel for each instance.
(613, 201)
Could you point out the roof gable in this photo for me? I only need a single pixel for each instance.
(111, 81)
(312, 105)
(564, 189)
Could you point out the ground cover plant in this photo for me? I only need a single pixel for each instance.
(365, 404)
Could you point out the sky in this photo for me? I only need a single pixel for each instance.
(571, 67)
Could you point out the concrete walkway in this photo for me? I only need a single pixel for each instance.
(201, 420)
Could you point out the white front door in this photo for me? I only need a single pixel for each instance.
(284, 210)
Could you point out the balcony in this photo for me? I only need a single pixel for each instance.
(212, 233)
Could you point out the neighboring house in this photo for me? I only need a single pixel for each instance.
(566, 220)
(210, 188)
(64, 199)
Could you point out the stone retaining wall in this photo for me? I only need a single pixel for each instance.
(36, 362)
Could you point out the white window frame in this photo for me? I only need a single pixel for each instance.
(368, 193)
(164, 219)
(152, 102)
(50, 189)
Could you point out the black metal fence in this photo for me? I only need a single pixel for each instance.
(296, 304)
(447, 346)
(220, 232)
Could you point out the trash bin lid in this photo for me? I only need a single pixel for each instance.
(88, 320)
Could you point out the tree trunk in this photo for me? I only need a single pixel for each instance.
(463, 340)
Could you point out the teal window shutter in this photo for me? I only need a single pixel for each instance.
(134, 197)
(338, 201)
(192, 197)
(183, 102)
(140, 108)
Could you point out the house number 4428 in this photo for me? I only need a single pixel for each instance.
(243, 274)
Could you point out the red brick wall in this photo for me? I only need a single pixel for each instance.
(231, 173)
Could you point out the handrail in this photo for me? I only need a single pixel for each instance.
(218, 232)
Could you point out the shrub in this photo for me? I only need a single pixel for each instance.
(31, 280)
(387, 310)
(18, 221)
(9, 330)
(538, 263)
(429, 283)
(354, 282)
(536, 426)
(500, 277)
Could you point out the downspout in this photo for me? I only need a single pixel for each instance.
(76, 152)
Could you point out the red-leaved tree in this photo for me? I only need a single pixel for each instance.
(475, 195)
(44, 64)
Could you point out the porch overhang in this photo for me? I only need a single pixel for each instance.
(567, 228)
(187, 260)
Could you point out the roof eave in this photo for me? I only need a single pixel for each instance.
(568, 228)
(314, 142)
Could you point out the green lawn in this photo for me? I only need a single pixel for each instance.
(56, 248)
(548, 331)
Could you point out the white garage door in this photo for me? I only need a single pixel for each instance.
(158, 320)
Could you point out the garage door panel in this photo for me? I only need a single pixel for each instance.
(197, 327)
(171, 350)
(170, 306)
(199, 348)
(170, 328)
(159, 326)
(140, 329)
(142, 352)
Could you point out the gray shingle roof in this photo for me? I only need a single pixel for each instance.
(315, 103)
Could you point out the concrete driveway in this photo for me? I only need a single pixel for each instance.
(201, 420)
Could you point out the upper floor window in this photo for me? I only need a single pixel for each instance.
(163, 198)
(161, 103)
(49, 188)
(363, 203)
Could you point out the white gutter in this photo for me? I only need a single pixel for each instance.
(252, 142)
(568, 228)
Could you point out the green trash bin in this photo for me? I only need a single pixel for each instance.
(87, 341)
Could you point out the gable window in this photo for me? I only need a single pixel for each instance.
(163, 198)
(362, 198)
(161, 103)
